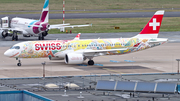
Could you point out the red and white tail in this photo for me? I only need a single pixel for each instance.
(152, 28)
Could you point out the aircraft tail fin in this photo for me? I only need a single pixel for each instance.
(45, 12)
(77, 37)
(152, 28)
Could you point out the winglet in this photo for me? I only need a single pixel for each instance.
(77, 37)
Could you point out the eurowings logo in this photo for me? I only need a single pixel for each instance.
(154, 24)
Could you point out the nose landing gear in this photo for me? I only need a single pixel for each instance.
(19, 61)
(18, 64)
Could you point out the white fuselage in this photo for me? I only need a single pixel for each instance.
(23, 23)
(28, 26)
(58, 48)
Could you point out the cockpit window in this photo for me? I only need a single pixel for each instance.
(15, 47)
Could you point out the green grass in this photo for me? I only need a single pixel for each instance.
(88, 4)
(99, 25)
(106, 25)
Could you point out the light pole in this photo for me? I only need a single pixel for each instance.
(178, 65)
(44, 63)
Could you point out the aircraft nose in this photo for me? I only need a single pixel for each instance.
(7, 53)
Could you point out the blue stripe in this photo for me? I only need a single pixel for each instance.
(129, 61)
(46, 4)
(114, 61)
(98, 64)
(33, 22)
(81, 65)
(10, 92)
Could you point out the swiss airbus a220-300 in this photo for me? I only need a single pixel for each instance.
(77, 51)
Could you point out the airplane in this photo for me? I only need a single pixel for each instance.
(76, 51)
(30, 27)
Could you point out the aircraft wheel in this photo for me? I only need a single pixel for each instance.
(42, 37)
(90, 62)
(16, 38)
(18, 64)
(12, 38)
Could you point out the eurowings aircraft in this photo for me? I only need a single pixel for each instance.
(76, 51)
(30, 27)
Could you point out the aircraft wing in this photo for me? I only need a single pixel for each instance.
(67, 26)
(72, 26)
(102, 52)
(57, 26)
(13, 29)
(106, 50)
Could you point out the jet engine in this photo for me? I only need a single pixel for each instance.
(73, 58)
(55, 58)
(3, 33)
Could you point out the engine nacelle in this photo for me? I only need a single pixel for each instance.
(3, 33)
(55, 58)
(73, 58)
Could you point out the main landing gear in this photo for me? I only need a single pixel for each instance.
(19, 61)
(14, 36)
(41, 37)
(90, 62)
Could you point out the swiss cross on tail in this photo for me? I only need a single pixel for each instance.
(152, 28)
(154, 24)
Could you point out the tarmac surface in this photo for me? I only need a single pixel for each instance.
(7, 42)
(160, 59)
(93, 15)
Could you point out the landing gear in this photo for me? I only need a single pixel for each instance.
(45, 33)
(90, 62)
(14, 36)
(19, 62)
(41, 37)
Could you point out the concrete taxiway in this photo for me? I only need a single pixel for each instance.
(94, 15)
(158, 59)
(158, 63)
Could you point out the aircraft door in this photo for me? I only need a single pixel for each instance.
(5, 22)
